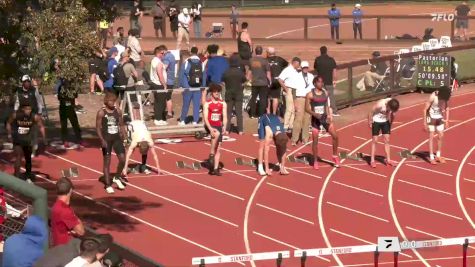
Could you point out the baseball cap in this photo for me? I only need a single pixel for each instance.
(185, 11)
(304, 64)
(358, 5)
(376, 54)
(25, 78)
(113, 50)
(124, 54)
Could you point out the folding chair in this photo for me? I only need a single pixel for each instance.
(445, 41)
(434, 43)
(417, 48)
(382, 85)
(426, 46)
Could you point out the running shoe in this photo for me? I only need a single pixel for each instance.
(110, 190)
(315, 165)
(215, 172)
(119, 183)
(262, 172)
(440, 160)
(391, 163)
(147, 171)
(373, 164)
(336, 161)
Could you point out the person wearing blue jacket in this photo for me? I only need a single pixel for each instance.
(189, 96)
(357, 21)
(215, 68)
(334, 16)
(25, 248)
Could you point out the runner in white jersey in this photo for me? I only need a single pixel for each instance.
(380, 119)
(140, 137)
(436, 118)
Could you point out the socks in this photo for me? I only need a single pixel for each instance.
(144, 159)
(438, 154)
(432, 157)
(260, 168)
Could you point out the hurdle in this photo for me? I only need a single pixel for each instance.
(277, 256)
(198, 130)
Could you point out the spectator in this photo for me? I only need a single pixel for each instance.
(215, 67)
(135, 14)
(130, 75)
(184, 21)
(259, 75)
(234, 20)
(64, 222)
(191, 75)
(357, 21)
(67, 111)
(277, 65)
(334, 16)
(158, 13)
(244, 43)
(196, 15)
(302, 118)
(136, 51)
(234, 79)
(289, 81)
(104, 29)
(120, 34)
(170, 65)
(94, 72)
(61, 255)
(120, 45)
(325, 66)
(92, 250)
(462, 11)
(111, 65)
(376, 72)
(428, 34)
(173, 11)
(25, 248)
(158, 77)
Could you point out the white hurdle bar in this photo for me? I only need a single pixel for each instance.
(277, 255)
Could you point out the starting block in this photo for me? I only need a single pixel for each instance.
(7, 147)
(194, 166)
(70, 173)
(243, 162)
(357, 157)
(406, 154)
(294, 159)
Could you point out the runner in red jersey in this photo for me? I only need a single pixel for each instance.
(214, 114)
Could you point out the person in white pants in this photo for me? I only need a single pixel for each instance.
(184, 22)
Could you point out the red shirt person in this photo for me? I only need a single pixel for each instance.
(64, 223)
(215, 116)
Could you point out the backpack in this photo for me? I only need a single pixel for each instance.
(195, 74)
(275, 68)
(120, 80)
(102, 70)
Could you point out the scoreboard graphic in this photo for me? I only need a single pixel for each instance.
(433, 71)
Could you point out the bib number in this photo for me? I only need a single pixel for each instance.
(319, 109)
(23, 130)
(215, 117)
(68, 104)
(428, 119)
(112, 129)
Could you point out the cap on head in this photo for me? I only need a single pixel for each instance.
(185, 11)
(376, 54)
(305, 64)
(358, 6)
(25, 78)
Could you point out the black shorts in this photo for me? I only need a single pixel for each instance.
(174, 25)
(115, 144)
(274, 90)
(434, 122)
(157, 23)
(316, 123)
(220, 130)
(383, 127)
(94, 65)
(170, 92)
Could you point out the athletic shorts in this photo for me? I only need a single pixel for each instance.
(274, 92)
(94, 65)
(157, 23)
(316, 123)
(462, 24)
(381, 127)
(435, 124)
(115, 145)
(220, 130)
(169, 92)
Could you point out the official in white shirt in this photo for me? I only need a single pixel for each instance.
(184, 22)
(289, 80)
(302, 118)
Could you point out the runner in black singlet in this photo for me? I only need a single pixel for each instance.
(111, 131)
(20, 130)
(244, 46)
(317, 104)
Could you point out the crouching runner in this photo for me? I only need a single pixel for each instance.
(270, 129)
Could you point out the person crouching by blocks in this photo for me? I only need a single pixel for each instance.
(269, 129)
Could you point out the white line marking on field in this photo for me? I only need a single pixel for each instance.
(430, 170)
(470, 199)
(459, 193)
(471, 164)
(425, 233)
(285, 214)
(426, 187)
(381, 143)
(429, 209)
(356, 211)
(359, 189)
(290, 190)
(363, 170)
(469, 180)
(330, 145)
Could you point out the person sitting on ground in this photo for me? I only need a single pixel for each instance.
(270, 129)
(428, 34)
(92, 251)
(25, 248)
(375, 74)
(142, 138)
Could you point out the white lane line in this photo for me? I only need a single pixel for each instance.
(381, 143)
(359, 189)
(469, 180)
(404, 261)
(471, 164)
(136, 218)
(363, 170)
(285, 214)
(284, 243)
(306, 173)
(470, 199)
(429, 209)
(364, 241)
(357, 211)
(459, 193)
(151, 193)
(430, 170)
(290, 190)
(330, 145)
(425, 187)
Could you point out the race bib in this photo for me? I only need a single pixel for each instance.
(68, 104)
(215, 117)
(23, 130)
(380, 117)
(319, 109)
(112, 129)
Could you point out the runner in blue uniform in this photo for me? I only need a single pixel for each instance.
(270, 129)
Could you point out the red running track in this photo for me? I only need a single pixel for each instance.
(179, 215)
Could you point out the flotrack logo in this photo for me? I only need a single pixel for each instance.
(442, 16)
